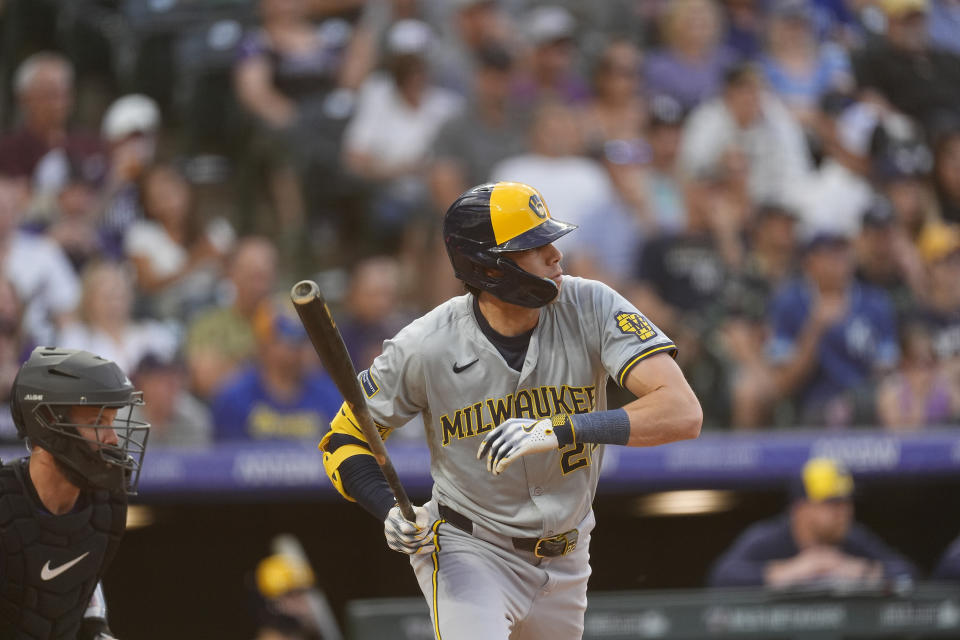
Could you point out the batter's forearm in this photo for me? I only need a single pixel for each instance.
(364, 482)
(664, 415)
(657, 418)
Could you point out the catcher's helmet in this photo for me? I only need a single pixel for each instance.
(54, 380)
(490, 220)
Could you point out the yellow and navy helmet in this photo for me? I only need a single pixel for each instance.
(490, 220)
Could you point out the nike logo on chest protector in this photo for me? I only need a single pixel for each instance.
(46, 573)
(457, 369)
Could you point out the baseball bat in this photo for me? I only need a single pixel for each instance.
(328, 343)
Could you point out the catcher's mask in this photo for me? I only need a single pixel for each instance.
(491, 220)
(45, 392)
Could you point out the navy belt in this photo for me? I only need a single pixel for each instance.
(548, 547)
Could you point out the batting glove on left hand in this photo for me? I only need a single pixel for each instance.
(514, 438)
(409, 537)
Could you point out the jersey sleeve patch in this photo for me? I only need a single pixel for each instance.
(368, 383)
(632, 322)
(668, 347)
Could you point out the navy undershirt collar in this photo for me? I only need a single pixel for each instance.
(512, 348)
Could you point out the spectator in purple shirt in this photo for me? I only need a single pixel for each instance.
(816, 542)
(690, 67)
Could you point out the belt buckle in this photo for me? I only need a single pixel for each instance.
(567, 538)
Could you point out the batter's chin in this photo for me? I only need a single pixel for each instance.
(557, 280)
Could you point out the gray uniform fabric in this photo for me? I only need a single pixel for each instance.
(442, 366)
(479, 588)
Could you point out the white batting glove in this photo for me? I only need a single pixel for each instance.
(514, 438)
(409, 537)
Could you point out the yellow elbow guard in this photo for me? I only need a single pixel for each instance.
(344, 423)
(331, 463)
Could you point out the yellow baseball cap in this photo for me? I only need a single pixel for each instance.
(279, 574)
(938, 240)
(825, 479)
(900, 8)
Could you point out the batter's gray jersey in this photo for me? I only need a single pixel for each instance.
(443, 366)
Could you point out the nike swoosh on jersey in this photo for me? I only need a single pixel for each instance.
(46, 573)
(457, 369)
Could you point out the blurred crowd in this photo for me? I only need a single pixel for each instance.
(775, 183)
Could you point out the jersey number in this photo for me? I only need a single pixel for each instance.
(573, 458)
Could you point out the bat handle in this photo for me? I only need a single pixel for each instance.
(403, 501)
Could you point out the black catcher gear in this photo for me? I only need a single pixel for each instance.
(50, 565)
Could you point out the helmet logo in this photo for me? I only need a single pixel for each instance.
(536, 205)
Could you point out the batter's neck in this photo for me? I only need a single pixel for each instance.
(505, 318)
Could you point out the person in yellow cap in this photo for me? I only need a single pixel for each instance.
(939, 312)
(815, 542)
(282, 584)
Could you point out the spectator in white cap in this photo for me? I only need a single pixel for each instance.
(130, 128)
(550, 31)
(131, 115)
(398, 117)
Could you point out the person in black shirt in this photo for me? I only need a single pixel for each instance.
(63, 508)
(769, 262)
(946, 172)
(917, 79)
(885, 257)
(681, 277)
(816, 542)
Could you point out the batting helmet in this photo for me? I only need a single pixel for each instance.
(48, 385)
(489, 221)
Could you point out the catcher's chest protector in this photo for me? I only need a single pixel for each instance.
(50, 565)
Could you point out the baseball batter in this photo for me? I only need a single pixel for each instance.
(510, 380)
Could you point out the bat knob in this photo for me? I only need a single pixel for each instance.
(304, 292)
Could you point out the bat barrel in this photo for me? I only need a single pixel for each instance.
(304, 291)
